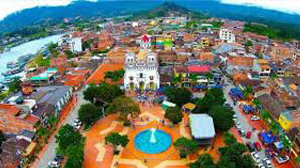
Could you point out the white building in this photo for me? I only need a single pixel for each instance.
(73, 44)
(227, 36)
(141, 70)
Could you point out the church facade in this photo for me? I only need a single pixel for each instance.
(141, 69)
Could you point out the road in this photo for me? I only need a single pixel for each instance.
(50, 151)
(242, 119)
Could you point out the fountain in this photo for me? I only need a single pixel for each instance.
(152, 141)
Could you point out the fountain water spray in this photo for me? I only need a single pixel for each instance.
(153, 139)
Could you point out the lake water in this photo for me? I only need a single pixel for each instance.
(31, 47)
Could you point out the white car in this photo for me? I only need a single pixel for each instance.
(53, 164)
(267, 162)
(254, 118)
(234, 116)
(255, 157)
(261, 166)
(282, 159)
(77, 124)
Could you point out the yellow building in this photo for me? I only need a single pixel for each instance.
(285, 120)
(289, 119)
(205, 42)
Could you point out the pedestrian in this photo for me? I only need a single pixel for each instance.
(145, 161)
(116, 164)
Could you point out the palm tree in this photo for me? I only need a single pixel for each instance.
(248, 90)
(256, 102)
(194, 78)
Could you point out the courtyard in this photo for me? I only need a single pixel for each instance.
(100, 155)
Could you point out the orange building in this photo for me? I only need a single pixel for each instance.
(188, 38)
(280, 53)
(241, 60)
(205, 56)
(13, 120)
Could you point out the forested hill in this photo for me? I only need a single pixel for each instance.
(115, 8)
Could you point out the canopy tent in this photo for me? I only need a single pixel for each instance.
(267, 137)
(248, 108)
(165, 104)
(236, 93)
(278, 145)
(189, 107)
(202, 126)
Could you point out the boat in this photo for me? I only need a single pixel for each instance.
(24, 59)
(12, 65)
(7, 81)
(12, 72)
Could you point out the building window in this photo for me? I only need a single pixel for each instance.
(141, 75)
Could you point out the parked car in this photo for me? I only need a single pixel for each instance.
(255, 157)
(77, 124)
(58, 158)
(248, 135)
(267, 162)
(254, 118)
(53, 164)
(238, 125)
(250, 146)
(257, 146)
(261, 166)
(241, 132)
(282, 159)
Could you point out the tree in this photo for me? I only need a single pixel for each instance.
(69, 54)
(75, 154)
(247, 91)
(209, 75)
(179, 96)
(204, 161)
(66, 137)
(115, 75)
(256, 102)
(103, 93)
(91, 93)
(2, 138)
(89, 113)
(116, 140)
(174, 114)
(229, 139)
(233, 154)
(185, 146)
(222, 116)
(52, 120)
(248, 46)
(211, 98)
(125, 108)
(15, 86)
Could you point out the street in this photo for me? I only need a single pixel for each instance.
(51, 147)
(242, 119)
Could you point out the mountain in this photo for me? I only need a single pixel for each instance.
(157, 8)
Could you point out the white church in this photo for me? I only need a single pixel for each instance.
(141, 69)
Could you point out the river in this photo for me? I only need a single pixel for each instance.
(31, 47)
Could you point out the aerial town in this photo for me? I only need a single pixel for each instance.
(163, 92)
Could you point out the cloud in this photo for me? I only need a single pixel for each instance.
(286, 6)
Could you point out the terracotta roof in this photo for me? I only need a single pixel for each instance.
(271, 105)
(99, 74)
(10, 108)
(198, 68)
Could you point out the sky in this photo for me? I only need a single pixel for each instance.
(10, 6)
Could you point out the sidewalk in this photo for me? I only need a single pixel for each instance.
(65, 112)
